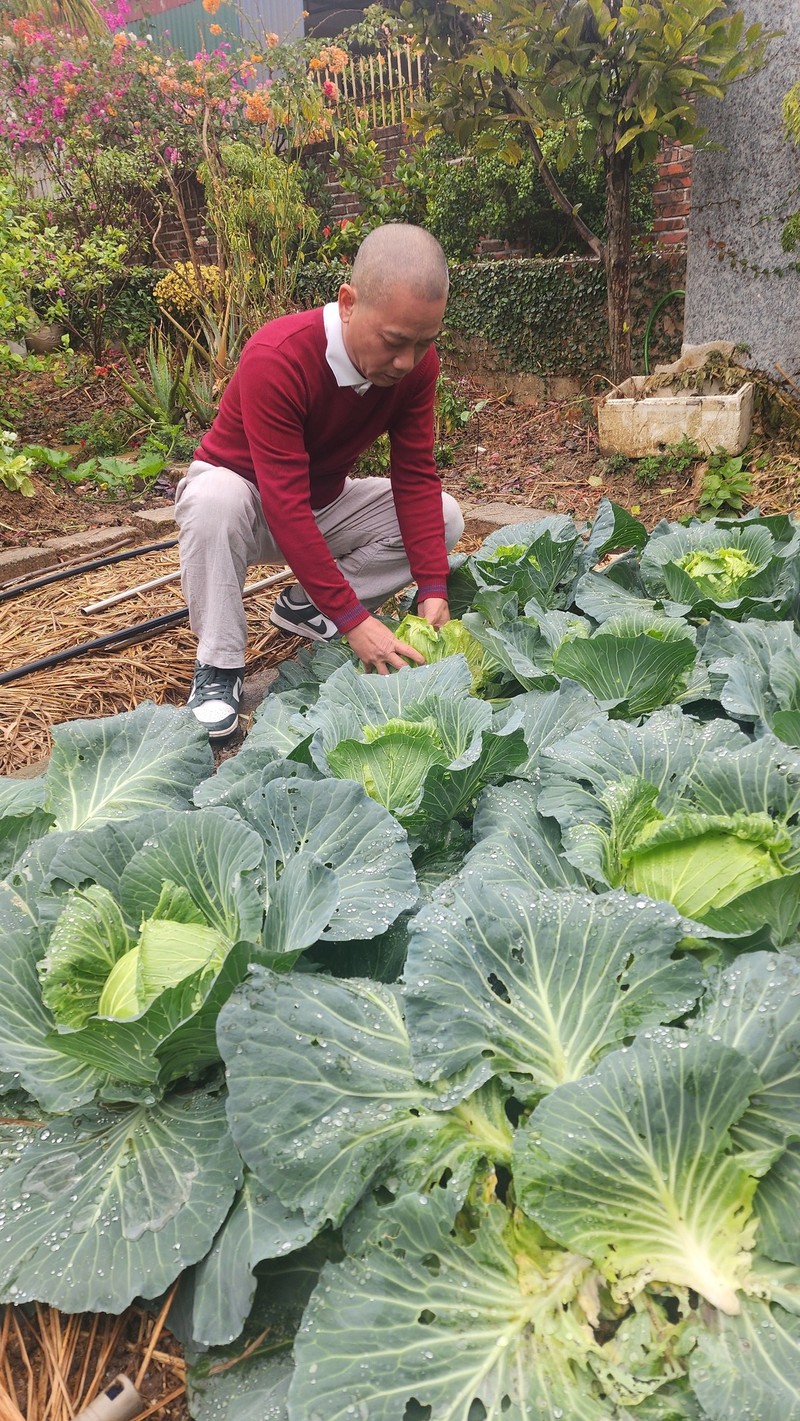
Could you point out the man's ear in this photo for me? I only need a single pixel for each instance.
(347, 301)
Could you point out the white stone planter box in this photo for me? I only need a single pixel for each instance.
(637, 420)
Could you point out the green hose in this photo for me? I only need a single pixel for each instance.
(649, 330)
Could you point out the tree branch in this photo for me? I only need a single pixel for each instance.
(468, 34)
(592, 241)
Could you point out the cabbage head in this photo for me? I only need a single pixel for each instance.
(98, 971)
(689, 814)
(451, 639)
(740, 571)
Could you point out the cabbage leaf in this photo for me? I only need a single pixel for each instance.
(633, 1166)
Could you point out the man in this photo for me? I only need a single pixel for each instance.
(270, 483)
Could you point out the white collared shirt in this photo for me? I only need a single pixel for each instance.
(336, 355)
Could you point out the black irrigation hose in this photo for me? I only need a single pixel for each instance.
(110, 639)
(65, 572)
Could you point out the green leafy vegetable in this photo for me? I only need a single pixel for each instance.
(632, 1167)
(453, 638)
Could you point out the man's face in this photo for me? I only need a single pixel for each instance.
(386, 339)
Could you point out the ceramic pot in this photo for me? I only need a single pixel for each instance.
(45, 339)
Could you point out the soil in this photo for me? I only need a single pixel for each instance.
(541, 456)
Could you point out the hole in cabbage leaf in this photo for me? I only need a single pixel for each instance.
(503, 1177)
(477, 1411)
(432, 1263)
(415, 1412)
(499, 988)
(505, 1403)
(513, 1110)
(426, 1317)
(518, 954)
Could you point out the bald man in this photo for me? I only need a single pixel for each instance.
(271, 482)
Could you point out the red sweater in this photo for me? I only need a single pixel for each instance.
(285, 424)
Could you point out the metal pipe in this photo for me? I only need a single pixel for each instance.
(63, 573)
(125, 634)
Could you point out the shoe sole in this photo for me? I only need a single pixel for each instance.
(221, 734)
(294, 630)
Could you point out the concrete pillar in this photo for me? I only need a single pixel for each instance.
(740, 285)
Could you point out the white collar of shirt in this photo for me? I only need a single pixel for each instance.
(336, 355)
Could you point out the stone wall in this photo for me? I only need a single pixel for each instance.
(741, 285)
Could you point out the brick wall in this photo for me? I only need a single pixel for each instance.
(391, 141)
(171, 239)
(673, 194)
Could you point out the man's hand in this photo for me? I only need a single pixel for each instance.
(379, 649)
(435, 610)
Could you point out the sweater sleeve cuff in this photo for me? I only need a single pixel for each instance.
(431, 589)
(353, 618)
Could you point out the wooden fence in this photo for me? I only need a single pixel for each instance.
(387, 86)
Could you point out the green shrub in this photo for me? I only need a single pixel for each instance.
(473, 195)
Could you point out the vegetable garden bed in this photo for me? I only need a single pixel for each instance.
(442, 1043)
(104, 682)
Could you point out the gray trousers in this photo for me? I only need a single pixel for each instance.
(222, 531)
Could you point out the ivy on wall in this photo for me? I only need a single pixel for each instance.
(541, 316)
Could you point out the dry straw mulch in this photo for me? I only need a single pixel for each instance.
(106, 682)
(53, 1365)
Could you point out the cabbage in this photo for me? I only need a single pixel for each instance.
(514, 552)
(165, 954)
(688, 814)
(451, 639)
(718, 572)
(713, 566)
(703, 861)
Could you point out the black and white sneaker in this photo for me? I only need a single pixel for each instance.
(214, 698)
(302, 619)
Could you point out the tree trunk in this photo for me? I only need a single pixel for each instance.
(618, 261)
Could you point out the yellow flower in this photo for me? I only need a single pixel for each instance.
(271, 40)
(180, 290)
(211, 6)
(215, 29)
